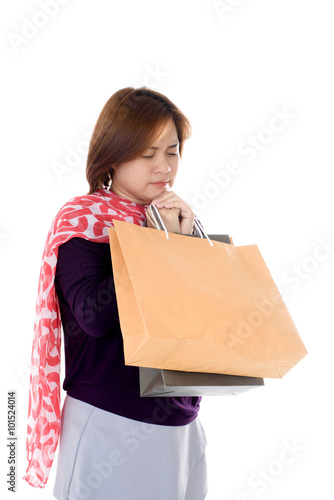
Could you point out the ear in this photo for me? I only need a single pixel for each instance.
(114, 169)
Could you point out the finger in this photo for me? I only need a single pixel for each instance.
(163, 197)
(169, 212)
(185, 210)
(172, 201)
(170, 217)
(186, 226)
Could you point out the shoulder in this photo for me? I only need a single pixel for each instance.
(80, 205)
(85, 216)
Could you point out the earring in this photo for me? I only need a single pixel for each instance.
(109, 177)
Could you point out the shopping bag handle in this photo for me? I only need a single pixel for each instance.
(161, 226)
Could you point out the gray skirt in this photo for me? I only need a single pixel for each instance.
(105, 456)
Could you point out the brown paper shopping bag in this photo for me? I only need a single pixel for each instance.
(192, 304)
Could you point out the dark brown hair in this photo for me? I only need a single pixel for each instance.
(128, 125)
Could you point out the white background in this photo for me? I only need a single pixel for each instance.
(230, 66)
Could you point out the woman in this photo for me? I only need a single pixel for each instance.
(113, 443)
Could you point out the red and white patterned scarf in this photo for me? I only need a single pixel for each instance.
(87, 217)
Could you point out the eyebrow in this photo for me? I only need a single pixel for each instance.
(172, 146)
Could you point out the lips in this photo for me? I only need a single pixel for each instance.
(160, 183)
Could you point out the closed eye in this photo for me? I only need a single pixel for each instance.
(171, 154)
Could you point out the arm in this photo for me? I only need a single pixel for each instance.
(84, 279)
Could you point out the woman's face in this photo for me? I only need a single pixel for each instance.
(143, 179)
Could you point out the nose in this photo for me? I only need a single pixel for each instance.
(162, 167)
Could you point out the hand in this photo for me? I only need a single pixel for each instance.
(170, 217)
(175, 213)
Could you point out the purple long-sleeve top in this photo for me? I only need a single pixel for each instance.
(94, 356)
